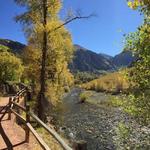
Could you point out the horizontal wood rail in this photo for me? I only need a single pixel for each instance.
(17, 105)
(19, 116)
(4, 108)
(51, 131)
(39, 139)
(13, 104)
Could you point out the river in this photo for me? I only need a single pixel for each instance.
(92, 122)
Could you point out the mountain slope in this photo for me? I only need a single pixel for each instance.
(87, 61)
(107, 56)
(84, 60)
(123, 59)
(15, 46)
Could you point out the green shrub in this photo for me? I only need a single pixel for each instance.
(122, 136)
(84, 96)
(11, 67)
(84, 77)
(117, 102)
(131, 137)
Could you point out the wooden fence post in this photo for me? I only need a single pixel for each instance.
(27, 131)
(79, 145)
(27, 97)
(9, 111)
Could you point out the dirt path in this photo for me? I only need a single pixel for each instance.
(12, 136)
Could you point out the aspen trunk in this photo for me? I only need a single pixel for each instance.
(41, 96)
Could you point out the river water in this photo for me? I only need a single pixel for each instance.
(93, 123)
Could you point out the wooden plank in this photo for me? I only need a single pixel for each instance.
(39, 139)
(19, 93)
(7, 107)
(19, 116)
(4, 107)
(22, 90)
(27, 120)
(17, 105)
(52, 132)
(9, 111)
(48, 129)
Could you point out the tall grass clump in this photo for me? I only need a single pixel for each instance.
(112, 82)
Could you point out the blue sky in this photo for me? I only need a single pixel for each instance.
(102, 34)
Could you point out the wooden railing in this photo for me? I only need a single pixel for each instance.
(14, 103)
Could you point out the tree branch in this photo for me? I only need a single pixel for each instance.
(71, 20)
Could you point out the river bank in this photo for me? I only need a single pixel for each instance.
(92, 122)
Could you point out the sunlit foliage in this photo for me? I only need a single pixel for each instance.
(111, 82)
(141, 5)
(58, 47)
(11, 68)
(139, 75)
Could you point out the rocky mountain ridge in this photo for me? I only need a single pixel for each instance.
(84, 60)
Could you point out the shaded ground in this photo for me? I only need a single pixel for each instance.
(12, 136)
(93, 121)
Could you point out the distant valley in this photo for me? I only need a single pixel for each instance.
(84, 60)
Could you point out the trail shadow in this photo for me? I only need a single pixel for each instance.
(9, 145)
(4, 120)
(3, 112)
(7, 141)
(2, 108)
(14, 146)
(5, 138)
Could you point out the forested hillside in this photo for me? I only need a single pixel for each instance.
(84, 60)
(15, 46)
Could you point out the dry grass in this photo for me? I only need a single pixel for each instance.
(84, 96)
(112, 82)
(51, 142)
